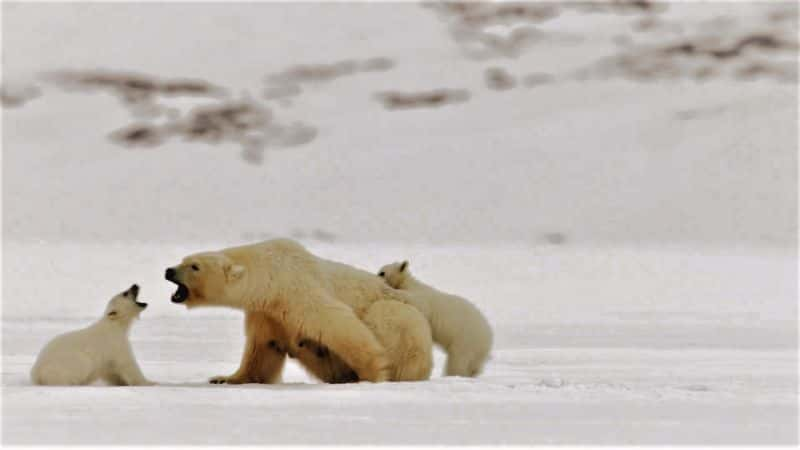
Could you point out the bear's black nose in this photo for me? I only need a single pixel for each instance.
(134, 289)
(170, 274)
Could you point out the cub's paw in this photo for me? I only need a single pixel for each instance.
(384, 370)
(383, 375)
(378, 372)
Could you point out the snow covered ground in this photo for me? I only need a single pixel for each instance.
(594, 346)
(618, 200)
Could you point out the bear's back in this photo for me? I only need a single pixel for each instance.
(356, 287)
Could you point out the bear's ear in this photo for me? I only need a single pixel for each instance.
(403, 266)
(233, 272)
(112, 314)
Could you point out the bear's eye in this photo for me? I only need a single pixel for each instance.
(195, 268)
(382, 273)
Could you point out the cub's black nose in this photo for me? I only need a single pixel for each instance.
(134, 289)
(170, 274)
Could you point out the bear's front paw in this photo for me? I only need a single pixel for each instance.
(222, 379)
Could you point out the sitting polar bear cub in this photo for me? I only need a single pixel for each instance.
(100, 351)
(403, 332)
(457, 325)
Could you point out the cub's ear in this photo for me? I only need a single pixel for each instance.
(233, 272)
(403, 266)
(112, 315)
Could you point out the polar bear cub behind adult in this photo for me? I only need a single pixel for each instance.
(99, 351)
(457, 325)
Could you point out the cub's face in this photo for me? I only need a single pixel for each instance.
(125, 306)
(394, 274)
(203, 278)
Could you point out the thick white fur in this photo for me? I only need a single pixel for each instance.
(457, 325)
(290, 295)
(406, 336)
(99, 352)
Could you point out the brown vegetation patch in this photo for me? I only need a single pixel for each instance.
(474, 25)
(498, 79)
(13, 96)
(756, 41)
(243, 122)
(469, 24)
(482, 14)
(620, 6)
(423, 99)
(317, 73)
(139, 135)
(133, 87)
(747, 56)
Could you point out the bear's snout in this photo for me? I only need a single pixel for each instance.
(170, 274)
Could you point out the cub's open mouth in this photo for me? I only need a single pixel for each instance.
(133, 292)
(181, 294)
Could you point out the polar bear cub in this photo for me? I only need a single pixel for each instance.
(99, 351)
(400, 328)
(406, 336)
(457, 325)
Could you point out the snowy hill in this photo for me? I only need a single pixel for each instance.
(603, 160)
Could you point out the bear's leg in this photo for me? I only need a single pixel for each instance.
(336, 327)
(126, 368)
(113, 379)
(405, 334)
(458, 363)
(476, 367)
(264, 352)
(323, 364)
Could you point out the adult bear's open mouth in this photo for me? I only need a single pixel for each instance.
(181, 294)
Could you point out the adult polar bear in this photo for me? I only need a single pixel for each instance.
(291, 298)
